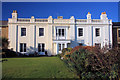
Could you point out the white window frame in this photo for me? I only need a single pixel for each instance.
(41, 44)
(23, 47)
(43, 31)
(96, 33)
(60, 35)
(25, 31)
(78, 32)
(57, 32)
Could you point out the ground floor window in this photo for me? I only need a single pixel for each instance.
(22, 47)
(119, 45)
(41, 47)
(97, 44)
(61, 46)
(80, 44)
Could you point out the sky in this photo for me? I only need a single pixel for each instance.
(66, 9)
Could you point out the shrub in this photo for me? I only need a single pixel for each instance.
(92, 62)
(78, 60)
(8, 53)
(64, 51)
(89, 48)
(106, 64)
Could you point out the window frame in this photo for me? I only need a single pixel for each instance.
(23, 47)
(41, 47)
(119, 33)
(23, 33)
(80, 44)
(97, 34)
(59, 47)
(61, 32)
(98, 45)
(41, 33)
(80, 32)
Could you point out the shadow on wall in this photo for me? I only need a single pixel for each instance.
(31, 51)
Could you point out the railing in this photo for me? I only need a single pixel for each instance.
(61, 20)
(96, 20)
(36, 20)
(60, 38)
(23, 20)
(81, 20)
(41, 20)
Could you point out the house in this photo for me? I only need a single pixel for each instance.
(4, 29)
(116, 34)
(29, 35)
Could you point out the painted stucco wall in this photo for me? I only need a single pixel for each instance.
(50, 25)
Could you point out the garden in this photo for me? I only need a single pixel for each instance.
(92, 62)
(81, 62)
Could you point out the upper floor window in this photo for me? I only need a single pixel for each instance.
(22, 47)
(118, 33)
(80, 31)
(61, 32)
(41, 47)
(97, 31)
(23, 31)
(41, 31)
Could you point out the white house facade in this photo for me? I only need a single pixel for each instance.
(30, 35)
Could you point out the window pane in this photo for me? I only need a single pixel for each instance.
(59, 47)
(80, 44)
(119, 33)
(119, 45)
(25, 47)
(97, 32)
(63, 46)
(59, 32)
(43, 49)
(97, 44)
(39, 48)
(23, 31)
(63, 32)
(41, 31)
(21, 47)
(56, 32)
(80, 32)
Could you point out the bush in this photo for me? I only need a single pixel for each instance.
(64, 51)
(78, 60)
(106, 64)
(93, 63)
(8, 53)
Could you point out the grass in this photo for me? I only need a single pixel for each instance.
(36, 67)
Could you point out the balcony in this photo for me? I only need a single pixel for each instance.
(61, 39)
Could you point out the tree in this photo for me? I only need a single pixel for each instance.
(5, 43)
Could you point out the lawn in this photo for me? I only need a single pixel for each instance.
(36, 67)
